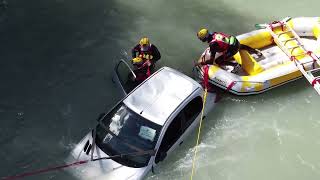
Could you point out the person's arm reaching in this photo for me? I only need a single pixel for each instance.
(212, 53)
(212, 56)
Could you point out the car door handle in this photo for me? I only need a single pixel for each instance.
(180, 143)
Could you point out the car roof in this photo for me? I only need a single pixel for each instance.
(159, 96)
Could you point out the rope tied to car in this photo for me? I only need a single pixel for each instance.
(77, 163)
(206, 84)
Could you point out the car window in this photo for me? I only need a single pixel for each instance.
(123, 74)
(172, 134)
(123, 131)
(191, 112)
(177, 127)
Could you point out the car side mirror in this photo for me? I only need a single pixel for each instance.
(162, 156)
(100, 116)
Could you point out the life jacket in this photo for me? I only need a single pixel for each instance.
(143, 71)
(223, 40)
(146, 52)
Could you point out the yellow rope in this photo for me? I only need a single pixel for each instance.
(199, 131)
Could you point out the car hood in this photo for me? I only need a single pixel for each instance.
(101, 169)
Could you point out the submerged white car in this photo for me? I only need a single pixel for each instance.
(143, 128)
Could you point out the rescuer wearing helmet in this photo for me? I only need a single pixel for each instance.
(145, 55)
(146, 51)
(226, 44)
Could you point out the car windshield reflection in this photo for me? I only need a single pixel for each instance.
(123, 131)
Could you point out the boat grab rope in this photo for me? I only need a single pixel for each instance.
(205, 82)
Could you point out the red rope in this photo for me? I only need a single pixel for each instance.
(231, 85)
(148, 71)
(315, 81)
(206, 76)
(44, 170)
(31, 173)
(148, 67)
(282, 25)
(310, 53)
(271, 25)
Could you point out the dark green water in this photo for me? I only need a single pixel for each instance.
(56, 59)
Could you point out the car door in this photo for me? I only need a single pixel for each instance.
(192, 113)
(121, 77)
(171, 138)
(179, 128)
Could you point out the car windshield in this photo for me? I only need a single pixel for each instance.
(123, 131)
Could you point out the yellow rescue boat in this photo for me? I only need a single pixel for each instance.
(290, 49)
